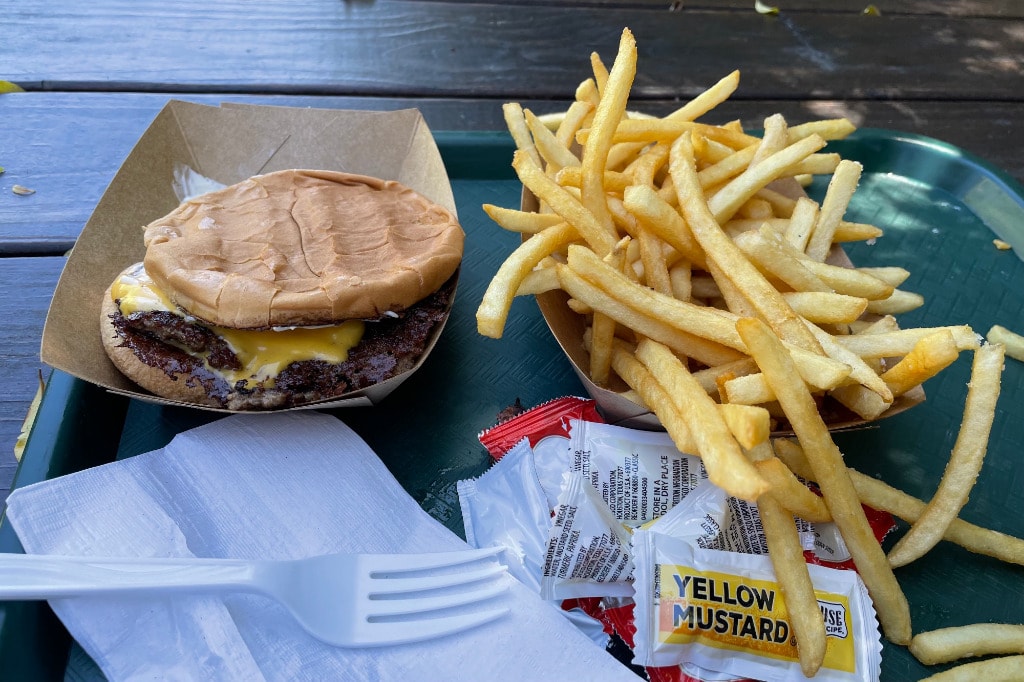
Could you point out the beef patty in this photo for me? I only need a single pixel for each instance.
(389, 347)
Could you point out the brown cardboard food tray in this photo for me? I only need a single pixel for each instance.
(227, 143)
(568, 327)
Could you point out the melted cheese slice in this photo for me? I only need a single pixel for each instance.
(263, 353)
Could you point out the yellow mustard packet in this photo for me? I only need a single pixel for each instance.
(708, 609)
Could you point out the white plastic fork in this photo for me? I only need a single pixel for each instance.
(347, 600)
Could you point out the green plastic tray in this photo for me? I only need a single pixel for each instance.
(939, 207)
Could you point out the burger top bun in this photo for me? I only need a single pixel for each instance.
(302, 247)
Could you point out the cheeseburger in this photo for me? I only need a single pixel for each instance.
(287, 288)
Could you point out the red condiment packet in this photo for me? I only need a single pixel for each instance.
(547, 419)
(882, 523)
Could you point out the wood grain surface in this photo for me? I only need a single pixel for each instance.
(445, 49)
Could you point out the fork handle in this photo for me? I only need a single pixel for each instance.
(39, 576)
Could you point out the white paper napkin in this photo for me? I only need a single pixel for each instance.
(276, 486)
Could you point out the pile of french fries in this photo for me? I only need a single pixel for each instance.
(718, 294)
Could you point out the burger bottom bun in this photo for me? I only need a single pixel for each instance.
(184, 386)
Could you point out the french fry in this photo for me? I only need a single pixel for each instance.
(668, 129)
(862, 401)
(900, 342)
(717, 327)
(831, 475)
(964, 462)
(601, 348)
(572, 176)
(839, 279)
(707, 100)
(815, 164)
(696, 320)
(600, 72)
(801, 223)
(725, 462)
(897, 302)
(822, 307)
(497, 299)
(587, 92)
(820, 373)
(725, 203)
(774, 139)
(845, 232)
(563, 203)
(646, 391)
(719, 248)
(793, 495)
(1002, 669)
(787, 557)
(1013, 342)
(695, 108)
(655, 268)
(827, 129)
(537, 281)
(516, 123)
(979, 639)
(891, 275)
(728, 167)
(710, 377)
(752, 389)
(640, 379)
(609, 112)
(756, 208)
(554, 154)
(928, 357)
(879, 495)
(524, 222)
(750, 425)
(736, 300)
(765, 249)
(860, 371)
(704, 287)
(837, 198)
(690, 345)
(644, 169)
(680, 278)
(659, 217)
(856, 232)
(851, 282)
(603, 328)
(571, 122)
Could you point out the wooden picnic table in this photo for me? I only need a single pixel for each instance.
(94, 75)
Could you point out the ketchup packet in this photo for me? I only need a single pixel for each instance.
(546, 427)
(550, 419)
(723, 611)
